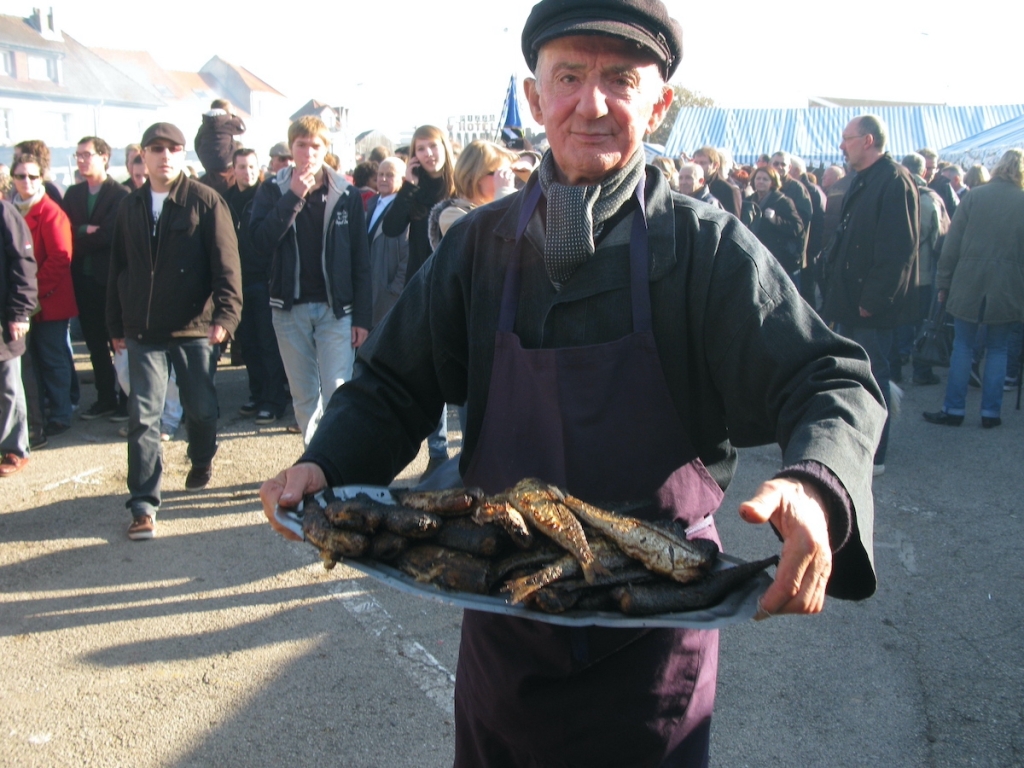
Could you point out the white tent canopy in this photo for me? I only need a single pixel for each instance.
(988, 146)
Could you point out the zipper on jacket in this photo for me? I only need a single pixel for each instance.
(157, 232)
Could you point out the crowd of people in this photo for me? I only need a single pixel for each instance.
(309, 289)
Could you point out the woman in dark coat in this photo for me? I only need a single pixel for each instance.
(779, 226)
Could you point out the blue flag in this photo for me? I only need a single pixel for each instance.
(511, 123)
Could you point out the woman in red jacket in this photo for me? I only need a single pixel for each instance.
(51, 241)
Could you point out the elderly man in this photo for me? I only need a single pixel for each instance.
(389, 256)
(529, 312)
(691, 183)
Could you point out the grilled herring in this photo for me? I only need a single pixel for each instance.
(451, 502)
(446, 568)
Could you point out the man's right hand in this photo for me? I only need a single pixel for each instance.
(287, 490)
(302, 182)
(119, 345)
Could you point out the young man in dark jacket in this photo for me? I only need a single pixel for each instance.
(92, 208)
(174, 292)
(309, 221)
(215, 143)
(17, 302)
(268, 396)
(872, 266)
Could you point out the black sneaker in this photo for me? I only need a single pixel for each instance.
(55, 428)
(249, 409)
(121, 413)
(198, 477)
(266, 417)
(37, 442)
(98, 410)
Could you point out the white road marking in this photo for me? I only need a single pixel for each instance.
(429, 675)
(81, 479)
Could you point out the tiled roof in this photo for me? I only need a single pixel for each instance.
(85, 76)
(814, 133)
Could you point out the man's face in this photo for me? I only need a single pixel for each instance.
(597, 97)
(780, 165)
(854, 145)
(138, 173)
(309, 153)
(277, 162)
(830, 177)
(388, 180)
(247, 171)
(954, 178)
(129, 157)
(929, 168)
(90, 164)
(164, 161)
(690, 180)
(705, 162)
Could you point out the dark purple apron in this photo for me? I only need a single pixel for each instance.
(599, 421)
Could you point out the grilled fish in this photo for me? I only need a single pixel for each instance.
(451, 502)
(662, 547)
(543, 553)
(463, 534)
(497, 510)
(446, 568)
(540, 507)
(360, 513)
(607, 554)
(414, 523)
(667, 597)
(332, 542)
(386, 546)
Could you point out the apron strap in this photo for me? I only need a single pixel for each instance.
(639, 250)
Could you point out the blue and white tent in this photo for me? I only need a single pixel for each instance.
(988, 146)
(814, 133)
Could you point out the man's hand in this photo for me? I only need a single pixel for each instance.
(942, 296)
(287, 490)
(798, 514)
(302, 182)
(92, 229)
(17, 330)
(358, 336)
(119, 345)
(217, 334)
(864, 312)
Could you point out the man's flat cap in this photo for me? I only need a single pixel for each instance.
(167, 131)
(644, 22)
(280, 149)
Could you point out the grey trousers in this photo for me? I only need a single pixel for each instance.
(13, 411)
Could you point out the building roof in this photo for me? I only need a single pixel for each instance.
(251, 81)
(814, 133)
(85, 76)
(312, 107)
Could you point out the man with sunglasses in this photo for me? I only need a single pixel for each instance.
(92, 208)
(174, 292)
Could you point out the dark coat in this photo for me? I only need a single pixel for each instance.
(17, 278)
(192, 280)
(255, 265)
(728, 194)
(816, 227)
(745, 360)
(215, 140)
(783, 234)
(797, 192)
(344, 258)
(95, 247)
(873, 260)
(411, 209)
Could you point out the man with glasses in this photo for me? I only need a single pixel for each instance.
(872, 265)
(92, 208)
(174, 291)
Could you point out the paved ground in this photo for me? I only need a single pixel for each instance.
(220, 643)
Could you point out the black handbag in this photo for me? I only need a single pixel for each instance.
(935, 341)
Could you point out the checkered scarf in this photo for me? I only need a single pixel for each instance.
(576, 214)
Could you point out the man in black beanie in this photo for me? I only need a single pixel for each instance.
(614, 339)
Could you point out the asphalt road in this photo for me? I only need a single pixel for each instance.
(219, 643)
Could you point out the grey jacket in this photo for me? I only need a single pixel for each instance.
(982, 262)
(389, 259)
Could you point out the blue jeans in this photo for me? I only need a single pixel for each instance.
(256, 337)
(996, 340)
(877, 343)
(192, 360)
(13, 410)
(316, 349)
(1013, 350)
(52, 359)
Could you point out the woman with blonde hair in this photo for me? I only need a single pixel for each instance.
(976, 176)
(429, 179)
(483, 173)
(980, 279)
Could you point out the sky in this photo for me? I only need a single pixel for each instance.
(397, 64)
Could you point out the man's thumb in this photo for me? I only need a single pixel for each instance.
(759, 509)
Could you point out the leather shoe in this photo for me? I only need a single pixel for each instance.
(943, 418)
(198, 477)
(11, 464)
(987, 422)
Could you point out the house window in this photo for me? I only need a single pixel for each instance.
(66, 120)
(5, 125)
(8, 62)
(38, 68)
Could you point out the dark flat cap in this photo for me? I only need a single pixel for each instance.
(167, 131)
(644, 22)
